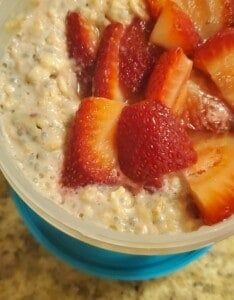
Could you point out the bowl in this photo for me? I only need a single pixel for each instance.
(62, 222)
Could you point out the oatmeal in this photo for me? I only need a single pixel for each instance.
(39, 99)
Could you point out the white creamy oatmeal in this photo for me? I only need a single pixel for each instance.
(38, 99)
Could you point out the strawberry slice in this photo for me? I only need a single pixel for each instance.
(209, 16)
(91, 155)
(167, 82)
(137, 58)
(212, 178)
(180, 102)
(174, 28)
(151, 143)
(204, 109)
(155, 7)
(216, 57)
(82, 45)
(106, 77)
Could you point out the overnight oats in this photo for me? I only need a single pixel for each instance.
(121, 111)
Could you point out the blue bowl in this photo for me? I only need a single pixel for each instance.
(99, 262)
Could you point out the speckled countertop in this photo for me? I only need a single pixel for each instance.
(28, 272)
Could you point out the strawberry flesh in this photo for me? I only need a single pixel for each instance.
(211, 178)
(174, 28)
(155, 7)
(204, 109)
(151, 143)
(216, 57)
(209, 16)
(169, 79)
(106, 77)
(137, 58)
(81, 44)
(90, 155)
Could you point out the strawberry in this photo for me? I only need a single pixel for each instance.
(151, 143)
(137, 58)
(106, 77)
(209, 16)
(204, 109)
(175, 29)
(169, 78)
(155, 7)
(91, 155)
(180, 102)
(81, 44)
(216, 57)
(211, 179)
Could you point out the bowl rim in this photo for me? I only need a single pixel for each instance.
(145, 244)
(98, 236)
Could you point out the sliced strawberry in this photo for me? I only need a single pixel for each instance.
(204, 109)
(209, 16)
(91, 155)
(175, 29)
(106, 77)
(151, 143)
(180, 102)
(167, 82)
(212, 178)
(137, 58)
(216, 57)
(155, 7)
(82, 45)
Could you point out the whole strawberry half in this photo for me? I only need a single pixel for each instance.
(137, 58)
(151, 143)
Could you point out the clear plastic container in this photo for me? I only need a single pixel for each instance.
(150, 244)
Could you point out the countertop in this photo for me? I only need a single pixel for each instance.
(27, 271)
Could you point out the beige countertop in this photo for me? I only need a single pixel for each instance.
(28, 272)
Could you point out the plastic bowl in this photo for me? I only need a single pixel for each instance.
(84, 231)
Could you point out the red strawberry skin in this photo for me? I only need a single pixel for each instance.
(82, 45)
(106, 77)
(137, 58)
(151, 142)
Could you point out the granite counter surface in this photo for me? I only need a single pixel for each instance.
(28, 272)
